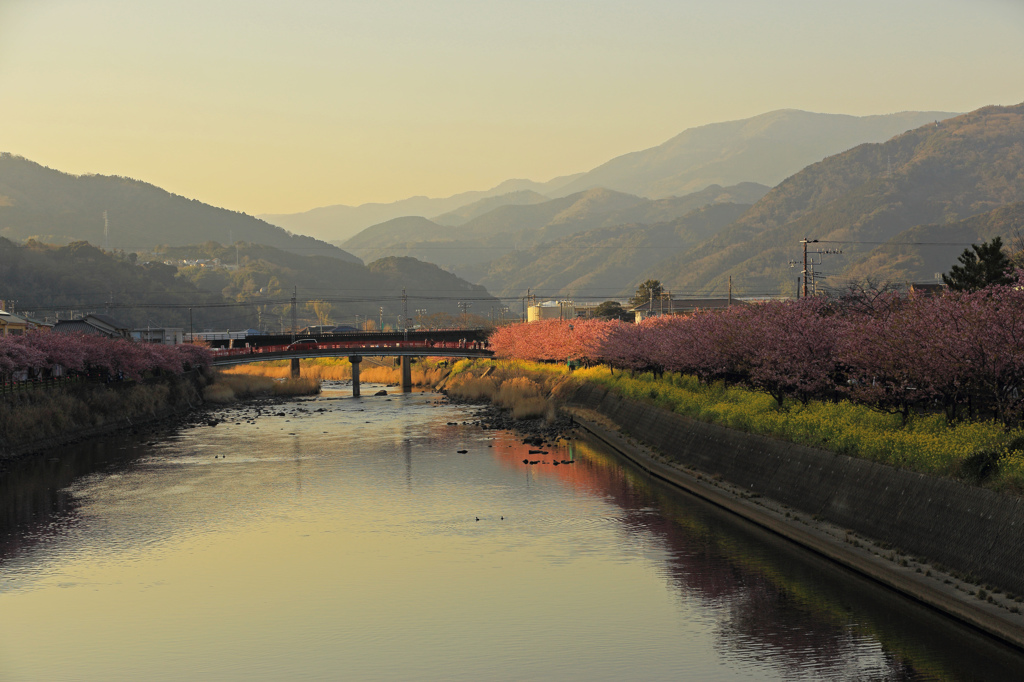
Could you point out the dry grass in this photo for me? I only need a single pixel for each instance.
(471, 388)
(522, 395)
(273, 370)
(39, 414)
(231, 386)
(300, 386)
(329, 369)
(529, 408)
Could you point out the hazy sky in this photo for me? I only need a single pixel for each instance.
(268, 106)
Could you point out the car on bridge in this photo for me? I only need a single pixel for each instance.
(304, 344)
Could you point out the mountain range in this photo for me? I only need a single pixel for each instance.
(868, 207)
(764, 149)
(902, 208)
(467, 248)
(339, 222)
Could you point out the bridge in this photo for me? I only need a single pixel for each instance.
(455, 343)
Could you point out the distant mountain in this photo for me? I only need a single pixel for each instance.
(52, 206)
(938, 174)
(466, 213)
(340, 222)
(469, 247)
(765, 149)
(604, 263)
(398, 231)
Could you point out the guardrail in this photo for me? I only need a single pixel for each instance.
(8, 387)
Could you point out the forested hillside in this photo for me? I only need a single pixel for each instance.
(48, 281)
(55, 207)
(938, 174)
(605, 263)
(140, 290)
(267, 275)
(920, 253)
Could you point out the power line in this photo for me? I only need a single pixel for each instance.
(849, 241)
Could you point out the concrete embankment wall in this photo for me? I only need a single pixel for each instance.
(965, 528)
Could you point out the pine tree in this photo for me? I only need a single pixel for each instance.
(982, 267)
(649, 290)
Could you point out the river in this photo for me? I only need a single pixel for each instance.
(349, 539)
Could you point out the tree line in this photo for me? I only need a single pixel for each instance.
(961, 352)
(42, 355)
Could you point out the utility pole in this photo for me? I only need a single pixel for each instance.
(465, 305)
(191, 333)
(805, 241)
(809, 284)
(730, 291)
(381, 327)
(295, 319)
(405, 314)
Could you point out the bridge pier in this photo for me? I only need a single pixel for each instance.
(406, 382)
(355, 360)
(295, 368)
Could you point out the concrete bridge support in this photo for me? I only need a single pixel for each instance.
(295, 368)
(406, 374)
(355, 360)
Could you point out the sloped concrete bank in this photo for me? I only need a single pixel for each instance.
(962, 528)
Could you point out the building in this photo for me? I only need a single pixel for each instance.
(666, 305)
(926, 289)
(551, 310)
(224, 339)
(13, 325)
(94, 323)
(168, 336)
(316, 329)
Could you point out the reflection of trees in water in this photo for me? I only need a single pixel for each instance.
(765, 616)
(35, 502)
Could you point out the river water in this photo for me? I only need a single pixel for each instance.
(346, 539)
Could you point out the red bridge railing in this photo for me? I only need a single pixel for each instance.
(354, 348)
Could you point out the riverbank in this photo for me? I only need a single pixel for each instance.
(37, 420)
(992, 611)
(945, 543)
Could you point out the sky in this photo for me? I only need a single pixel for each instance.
(270, 107)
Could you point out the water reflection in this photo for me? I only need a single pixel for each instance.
(344, 543)
(779, 604)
